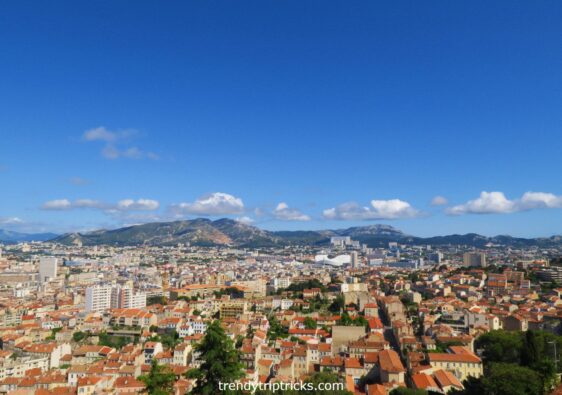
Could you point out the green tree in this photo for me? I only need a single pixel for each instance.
(53, 334)
(170, 339)
(156, 300)
(276, 330)
(547, 372)
(510, 379)
(504, 379)
(346, 320)
(79, 336)
(531, 351)
(309, 323)
(160, 380)
(472, 386)
(337, 305)
(117, 342)
(501, 346)
(220, 362)
(299, 287)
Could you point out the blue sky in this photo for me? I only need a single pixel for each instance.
(290, 114)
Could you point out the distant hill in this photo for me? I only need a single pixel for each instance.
(201, 231)
(205, 232)
(7, 236)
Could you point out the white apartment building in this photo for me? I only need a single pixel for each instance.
(127, 298)
(48, 266)
(98, 298)
(474, 259)
(199, 326)
(354, 258)
(18, 367)
(281, 282)
(102, 297)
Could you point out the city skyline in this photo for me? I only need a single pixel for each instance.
(435, 119)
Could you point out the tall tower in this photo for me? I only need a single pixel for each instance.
(355, 260)
(165, 280)
(48, 266)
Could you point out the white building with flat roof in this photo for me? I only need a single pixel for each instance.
(102, 297)
(98, 298)
(48, 267)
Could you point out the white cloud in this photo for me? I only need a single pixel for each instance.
(110, 151)
(141, 204)
(122, 205)
(378, 210)
(17, 224)
(218, 203)
(100, 134)
(487, 203)
(11, 221)
(284, 213)
(498, 203)
(58, 204)
(439, 201)
(245, 220)
(531, 200)
(114, 142)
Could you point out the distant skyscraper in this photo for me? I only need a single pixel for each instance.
(435, 257)
(340, 241)
(355, 263)
(474, 259)
(48, 266)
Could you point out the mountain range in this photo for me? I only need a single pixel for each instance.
(205, 232)
(8, 236)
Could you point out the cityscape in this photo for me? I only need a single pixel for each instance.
(381, 319)
(280, 197)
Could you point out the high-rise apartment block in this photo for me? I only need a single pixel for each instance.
(354, 258)
(474, 259)
(102, 297)
(48, 266)
(98, 298)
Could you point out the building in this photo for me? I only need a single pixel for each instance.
(233, 309)
(48, 266)
(102, 297)
(435, 257)
(354, 287)
(281, 282)
(126, 298)
(131, 318)
(342, 335)
(552, 274)
(340, 241)
(98, 298)
(355, 262)
(474, 259)
(460, 361)
(390, 366)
